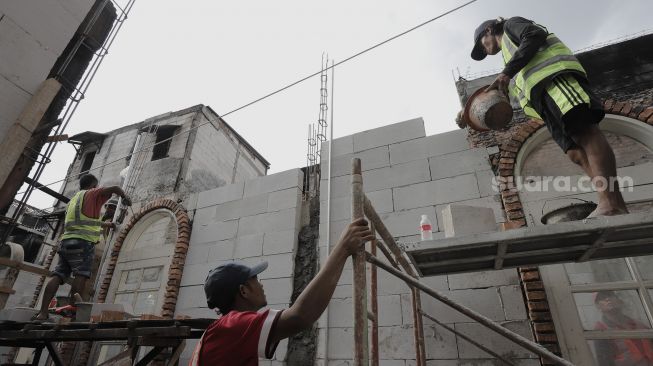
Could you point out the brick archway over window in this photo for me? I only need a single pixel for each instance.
(533, 288)
(178, 259)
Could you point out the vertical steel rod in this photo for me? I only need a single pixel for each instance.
(361, 355)
(375, 306)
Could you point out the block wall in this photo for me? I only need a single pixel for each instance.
(407, 174)
(250, 221)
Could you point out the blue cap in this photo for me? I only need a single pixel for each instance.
(478, 52)
(222, 283)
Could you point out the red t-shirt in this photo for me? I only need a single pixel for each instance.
(237, 339)
(94, 199)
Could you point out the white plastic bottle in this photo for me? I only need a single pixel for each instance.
(425, 228)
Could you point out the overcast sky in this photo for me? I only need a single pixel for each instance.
(173, 54)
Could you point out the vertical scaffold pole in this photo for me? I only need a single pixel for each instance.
(361, 355)
(374, 300)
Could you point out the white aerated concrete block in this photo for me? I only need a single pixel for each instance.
(191, 297)
(493, 202)
(410, 150)
(390, 134)
(279, 242)
(249, 246)
(370, 159)
(341, 206)
(221, 251)
(277, 290)
(341, 146)
(460, 188)
(341, 343)
(287, 198)
(448, 142)
(484, 279)
(465, 220)
(489, 339)
(451, 165)
(396, 176)
(485, 301)
(279, 265)
(513, 302)
(198, 254)
(248, 206)
(222, 194)
(274, 182)
(487, 183)
(405, 223)
(268, 222)
(213, 232)
(389, 310)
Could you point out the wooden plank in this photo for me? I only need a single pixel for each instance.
(596, 245)
(120, 356)
(150, 356)
(53, 335)
(176, 353)
(53, 354)
(501, 252)
(24, 266)
(7, 290)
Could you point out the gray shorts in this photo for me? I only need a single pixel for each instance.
(76, 257)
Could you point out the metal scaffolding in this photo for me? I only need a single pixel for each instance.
(401, 268)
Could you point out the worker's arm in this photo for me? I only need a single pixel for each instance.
(528, 36)
(117, 190)
(314, 299)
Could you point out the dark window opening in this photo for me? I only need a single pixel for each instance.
(161, 149)
(88, 161)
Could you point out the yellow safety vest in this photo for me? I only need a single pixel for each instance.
(79, 226)
(552, 58)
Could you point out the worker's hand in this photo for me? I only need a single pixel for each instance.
(355, 236)
(459, 120)
(126, 201)
(500, 83)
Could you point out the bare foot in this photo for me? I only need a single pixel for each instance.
(601, 211)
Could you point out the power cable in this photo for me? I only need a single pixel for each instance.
(280, 89)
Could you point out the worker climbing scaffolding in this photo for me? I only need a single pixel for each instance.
(82, 231)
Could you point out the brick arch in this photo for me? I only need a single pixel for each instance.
(178, 259)
(533, 288)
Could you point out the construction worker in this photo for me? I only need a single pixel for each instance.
(82, 230)
(242, 334)
(619, 352)
(551, 85)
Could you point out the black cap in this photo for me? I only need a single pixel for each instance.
(222, 283)
(604, 294)
(478, 52)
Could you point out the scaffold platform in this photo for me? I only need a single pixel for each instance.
(577, 241)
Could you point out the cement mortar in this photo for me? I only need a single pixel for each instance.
(302, 347)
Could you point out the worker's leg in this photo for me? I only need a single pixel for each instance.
(577, 156)
(81, 263)
(602, 164)
(50, 290)
(76, 289)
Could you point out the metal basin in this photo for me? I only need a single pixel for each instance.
(486, 111)
(574, 212)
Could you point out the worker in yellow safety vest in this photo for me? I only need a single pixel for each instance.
(82, 230)
(550, 84)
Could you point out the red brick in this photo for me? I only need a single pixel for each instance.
(513, 206)
(616, 108)
(513, 215)
(511, 146)
(508, 154)
(553, 348)
(607, 105)
(507, 166)
(530, 276)
(546, 337)
(534, 285)
(510, 198)
(507, 160)
(535, 295)
(646, 113)
(537, 306)
(510, 225)
(544, 327)
(626, 108)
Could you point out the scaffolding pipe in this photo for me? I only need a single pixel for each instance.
(375, 305)
(468, 339)
(526, 343)
(418, 330)
(361, 349)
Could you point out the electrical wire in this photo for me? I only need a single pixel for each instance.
(278, 90)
